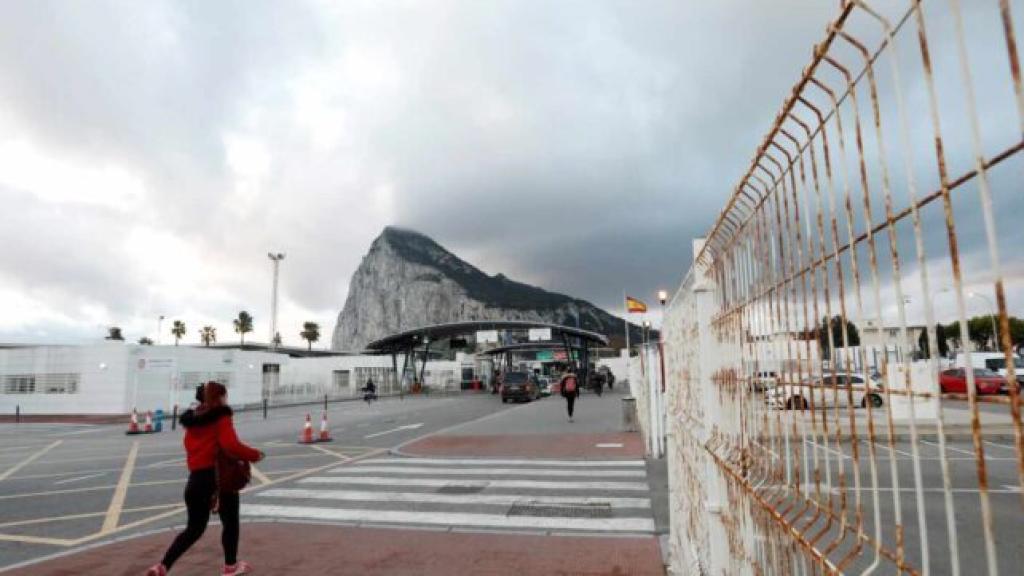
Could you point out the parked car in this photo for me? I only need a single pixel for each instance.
(519, 386)
(994, 361)
(986, 381)
(829, 390)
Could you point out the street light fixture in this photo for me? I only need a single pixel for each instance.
(159, 328)
(662, 297)
(276, 259)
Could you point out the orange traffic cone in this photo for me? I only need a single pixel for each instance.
(307, 432)
(133, 423)
(149, 422)
(325, 436)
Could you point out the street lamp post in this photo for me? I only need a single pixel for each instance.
(276, 259)
(663, 299)
(159, 328)
(991, 316)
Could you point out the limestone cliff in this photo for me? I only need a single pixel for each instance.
(407, 280)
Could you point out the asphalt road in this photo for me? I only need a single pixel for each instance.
(66, 486)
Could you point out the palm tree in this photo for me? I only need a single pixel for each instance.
(114, 333)
(310, 333)
(178, 329)
(208, 335)
(243, 324)
(146, 341)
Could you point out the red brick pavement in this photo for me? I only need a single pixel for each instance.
(280, 549)
(529, 446)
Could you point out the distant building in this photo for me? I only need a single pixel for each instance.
(114, 377)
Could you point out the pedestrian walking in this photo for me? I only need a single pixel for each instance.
(369, 391)
(216, 474)
(570, 389)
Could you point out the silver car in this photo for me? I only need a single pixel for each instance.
(828, 390)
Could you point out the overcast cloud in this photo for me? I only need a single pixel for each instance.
(151, 153)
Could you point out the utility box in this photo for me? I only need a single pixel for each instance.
(629, 414)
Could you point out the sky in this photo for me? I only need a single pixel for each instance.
(152, 153)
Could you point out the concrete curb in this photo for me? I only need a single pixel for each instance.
(398, 450)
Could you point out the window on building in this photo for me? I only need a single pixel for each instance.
(20, 384)
(341, 379)
(66, 383)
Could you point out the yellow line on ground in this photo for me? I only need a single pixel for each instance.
(259, 475)
(29, 460)
(84, 515)
(117, 502)
(89, 489)
(331, 452)
(36, 540)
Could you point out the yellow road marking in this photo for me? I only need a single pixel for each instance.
(331, 452)
(84, 515)
(117, 502)
(101, 534)
(259, 475)
(89, 489)
(29, 460)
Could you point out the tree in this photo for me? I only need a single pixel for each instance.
(178, 330)
(277, 339)
(243, 324)
(310, 333)
(953, 334)
(940, 338)
(836, 328)
(207, 335)
(114, 333)
(146, 341)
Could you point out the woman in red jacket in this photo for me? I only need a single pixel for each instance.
(209, 428)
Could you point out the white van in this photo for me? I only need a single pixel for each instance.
(994, 361)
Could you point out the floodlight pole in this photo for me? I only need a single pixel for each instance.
(276, 259)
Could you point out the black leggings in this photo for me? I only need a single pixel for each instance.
(570, 403)
(198, 497)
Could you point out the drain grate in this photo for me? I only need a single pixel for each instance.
(563, 511)
(459, 489)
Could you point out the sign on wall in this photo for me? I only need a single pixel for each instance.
(149, 364)
(487, 337)
(540, 334)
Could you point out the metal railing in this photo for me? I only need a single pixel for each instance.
(813, 425)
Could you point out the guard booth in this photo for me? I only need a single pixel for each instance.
(495, 344)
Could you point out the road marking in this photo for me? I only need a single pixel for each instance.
(948, 447)
(505, 462)
(609, 445)
(121, 491)
(259, 475)
(166, 463)
(84, 515)
(393, 430)
(29, 460)
(451, 519)
(432, 498)
(426, 470)
(1003, 446)
(89, 489)
(438, 482)
(330, 452)
(89, 430)
(70, 480)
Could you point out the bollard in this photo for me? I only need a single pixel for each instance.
(174, 417)
(264, 408)
(629, 414)
(17, 414)
(325, 402)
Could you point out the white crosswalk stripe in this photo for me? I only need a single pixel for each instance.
(486, 494)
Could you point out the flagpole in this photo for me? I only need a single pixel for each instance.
(625, 317)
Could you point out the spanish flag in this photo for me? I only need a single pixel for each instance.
(633, 305)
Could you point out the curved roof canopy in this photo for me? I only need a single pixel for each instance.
(418, 337)
(529, 347)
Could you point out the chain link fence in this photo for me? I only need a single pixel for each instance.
(842, 369)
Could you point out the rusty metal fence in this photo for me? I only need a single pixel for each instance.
(817, 422)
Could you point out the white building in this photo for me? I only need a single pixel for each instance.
(115, 377)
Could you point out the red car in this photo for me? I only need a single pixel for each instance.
(985, 381)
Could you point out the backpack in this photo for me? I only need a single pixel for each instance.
(570, 384)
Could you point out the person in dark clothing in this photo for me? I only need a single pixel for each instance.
(208, 430)
(369, 391)
(569, 386)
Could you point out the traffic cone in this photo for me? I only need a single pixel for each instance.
(325, 436)
(149, 422)
(133, 423)
(307, 432)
